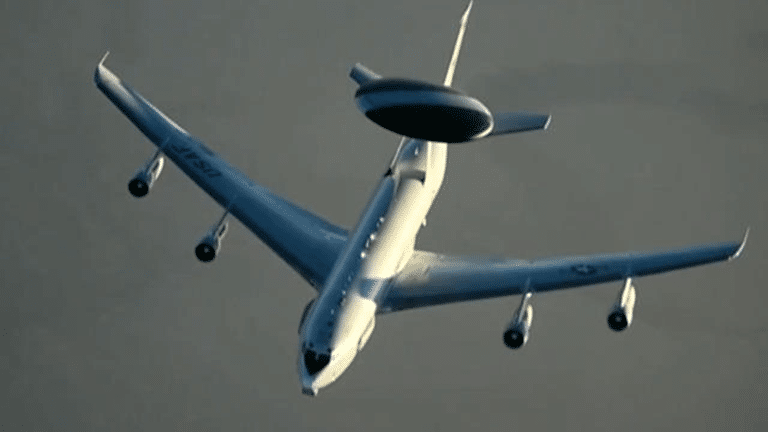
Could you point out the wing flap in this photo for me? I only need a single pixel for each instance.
(307, 242)
(432, 279)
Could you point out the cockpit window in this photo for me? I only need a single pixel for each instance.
(315, 362)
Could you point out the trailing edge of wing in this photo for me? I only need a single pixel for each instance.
(305, 241)
(431, 279)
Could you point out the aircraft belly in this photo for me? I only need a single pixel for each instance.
(353, 320)
(397, 234)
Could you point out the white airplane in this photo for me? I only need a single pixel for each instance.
(374, 268)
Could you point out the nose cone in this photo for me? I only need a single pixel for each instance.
(423, 110)
(309, 385)
(311, 370)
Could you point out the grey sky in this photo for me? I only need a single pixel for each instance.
(108, 322)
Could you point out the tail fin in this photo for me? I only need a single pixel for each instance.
(457, 47)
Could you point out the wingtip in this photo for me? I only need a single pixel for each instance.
(98, 72)
(741, 246)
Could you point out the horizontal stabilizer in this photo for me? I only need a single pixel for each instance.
(361, 74)
(505, 123)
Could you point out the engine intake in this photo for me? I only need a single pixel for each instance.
(516, 334)
(209, 246)
(620, 314)
(145, 178)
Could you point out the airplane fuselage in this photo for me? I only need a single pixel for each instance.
(342, 318)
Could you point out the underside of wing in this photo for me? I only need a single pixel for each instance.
(307, 242)
(432, 279)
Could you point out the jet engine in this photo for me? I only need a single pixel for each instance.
(620, 315)
(516, 334)
(209, 246)
(145, 177)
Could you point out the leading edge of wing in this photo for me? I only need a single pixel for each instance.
(431, 279)
(307, 242)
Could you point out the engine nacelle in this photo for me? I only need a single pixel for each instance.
(145, 178)
(620, 314)
(209, 246)
(516, 334)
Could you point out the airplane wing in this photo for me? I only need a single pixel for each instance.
(305, 241)
(432, 279)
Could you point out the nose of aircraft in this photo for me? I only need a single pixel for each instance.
(308, 385)
(309, 391)
(308, 373)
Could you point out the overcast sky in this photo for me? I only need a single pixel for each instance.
(108, 322)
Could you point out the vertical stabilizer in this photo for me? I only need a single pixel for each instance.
(457, 47)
